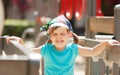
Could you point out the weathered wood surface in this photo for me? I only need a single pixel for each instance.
(13, 47)
(101, 24)
(17, 56)
(111, 54)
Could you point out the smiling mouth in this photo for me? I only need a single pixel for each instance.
(59, 41)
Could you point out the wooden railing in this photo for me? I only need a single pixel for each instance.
(108, 62)
(99, 65)
(16, 59)
(102, 24)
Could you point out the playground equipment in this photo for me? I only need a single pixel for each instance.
(98, 8)
(98, 65)
(108, 61)
(1, 17)
(16, 59)
(77, 8)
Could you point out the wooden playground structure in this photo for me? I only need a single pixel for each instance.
(107, 63)
(15, 59)
(1, 17)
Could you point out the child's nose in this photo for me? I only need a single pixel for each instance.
(59, 37)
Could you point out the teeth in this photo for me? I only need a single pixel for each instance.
(59, 41)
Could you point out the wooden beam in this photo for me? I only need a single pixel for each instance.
(16, 48)
(102, 24)
(112, 54)
(13, 47)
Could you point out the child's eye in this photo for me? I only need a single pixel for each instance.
(54, 35)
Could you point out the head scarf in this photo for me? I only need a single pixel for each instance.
(58, 21)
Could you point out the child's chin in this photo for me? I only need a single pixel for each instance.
(59, 44)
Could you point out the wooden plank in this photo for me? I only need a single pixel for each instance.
(1, 45)
(117, 22)
(112, 54)
(92, 43)
(13, 47)
(102, 24)
(115, 70)
(13, 67)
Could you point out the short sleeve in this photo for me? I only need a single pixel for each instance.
(75, 49)
(43, 49)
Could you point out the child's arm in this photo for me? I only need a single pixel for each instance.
(96, 50)
(18, 39)
(36, 50)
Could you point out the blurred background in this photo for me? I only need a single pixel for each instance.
(22, 14)
(23, 18)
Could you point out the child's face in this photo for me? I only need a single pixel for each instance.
(60, 37)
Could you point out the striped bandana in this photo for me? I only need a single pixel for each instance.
(58, 21)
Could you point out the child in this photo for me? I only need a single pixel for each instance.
(59, 55)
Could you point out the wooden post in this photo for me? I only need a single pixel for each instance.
(117, 32)
(115, 70)
(90, 11)
(1, 44)
(19, 59)
(1, 17)
(117, 21)
(101, 67)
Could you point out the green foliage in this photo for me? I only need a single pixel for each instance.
(14, 22)
(16, 27)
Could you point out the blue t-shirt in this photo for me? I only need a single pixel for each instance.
(59, 62)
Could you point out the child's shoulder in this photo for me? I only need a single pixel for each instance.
(72, 44)
(47, 45)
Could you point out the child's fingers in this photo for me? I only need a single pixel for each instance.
(115, 42)
(19, 40)
(112, 42)
(7, 40)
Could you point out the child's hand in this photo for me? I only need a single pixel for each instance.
(113, 42)
(18, 39)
